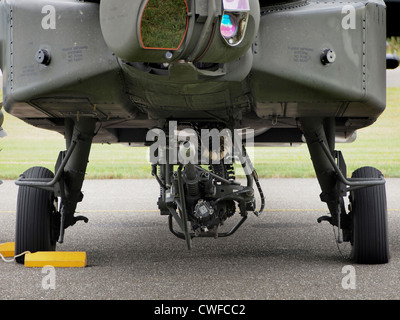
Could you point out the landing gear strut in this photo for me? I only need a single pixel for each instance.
(46, 201)
(365, 225)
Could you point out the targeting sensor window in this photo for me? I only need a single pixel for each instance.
(234, 20)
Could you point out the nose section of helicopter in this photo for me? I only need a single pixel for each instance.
(168, 31)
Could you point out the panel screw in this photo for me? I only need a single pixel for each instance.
(168, 55)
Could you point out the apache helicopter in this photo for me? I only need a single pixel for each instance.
(181, 75)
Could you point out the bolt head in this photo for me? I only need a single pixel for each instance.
(328, 56)
(43, 57)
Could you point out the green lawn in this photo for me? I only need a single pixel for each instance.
(378, 145)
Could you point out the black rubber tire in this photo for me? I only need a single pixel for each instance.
(35, 217)
(370, 242)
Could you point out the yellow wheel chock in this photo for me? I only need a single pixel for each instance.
(60, 259)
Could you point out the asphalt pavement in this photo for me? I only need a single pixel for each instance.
(283, 254)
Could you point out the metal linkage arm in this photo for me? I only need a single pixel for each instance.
(48, 184)
(352, 183)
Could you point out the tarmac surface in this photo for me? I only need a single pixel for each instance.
(283, 254)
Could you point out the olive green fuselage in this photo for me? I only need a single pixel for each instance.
(276, 75)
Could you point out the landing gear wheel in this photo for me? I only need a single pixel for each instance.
(37, 217)
(370, 244)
